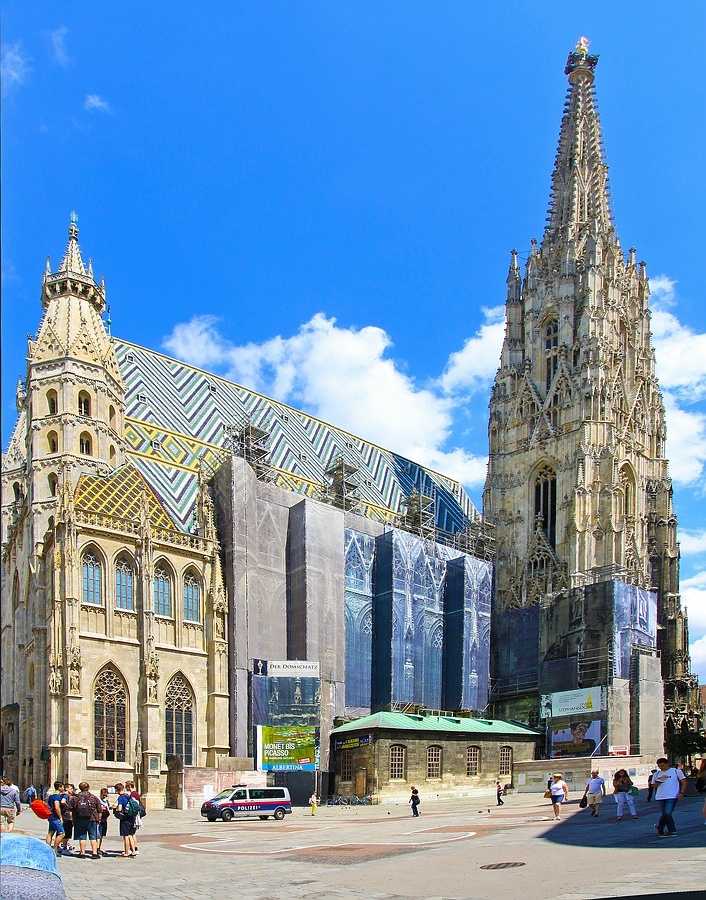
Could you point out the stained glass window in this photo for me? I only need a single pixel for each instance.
(91, 579)
(162, 592)
(191, 598)
(109, 710)
(124, 579)
(179, 720)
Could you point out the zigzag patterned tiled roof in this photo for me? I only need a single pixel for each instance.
(177, 414)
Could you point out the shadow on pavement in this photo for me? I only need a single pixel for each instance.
(579, 829)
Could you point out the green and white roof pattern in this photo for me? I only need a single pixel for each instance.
(176, 414)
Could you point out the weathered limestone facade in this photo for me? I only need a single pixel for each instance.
(578, 486)
(96, 683)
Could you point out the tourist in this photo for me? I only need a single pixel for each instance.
(31, 793)
(105, 816)
(123, 811)
(671, 787)
(595, 792)
(414, 801)
(622, 784)
(86, 811)
(650, 786)
(559, 791)
(10, 805)
(56, 803)
(130, 788)
(67, 821)
(701, 777)
(499, 794)
(313, 803)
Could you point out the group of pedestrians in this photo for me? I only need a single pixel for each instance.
(84, 816)
(666, 783)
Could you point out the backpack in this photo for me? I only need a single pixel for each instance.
(84, 806)
(132, 808)
(40, 808)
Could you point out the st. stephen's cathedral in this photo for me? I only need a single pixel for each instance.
(163, 529)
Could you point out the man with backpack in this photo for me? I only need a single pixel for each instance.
(130, 788)
(86, 810)
(127, 810)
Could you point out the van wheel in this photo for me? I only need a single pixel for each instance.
(211, 818)
(227, 815)
(263, 817)
(279, 814)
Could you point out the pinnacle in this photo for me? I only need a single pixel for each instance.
(579, 196)
(72, 263)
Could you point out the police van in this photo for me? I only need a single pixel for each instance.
(241, 800)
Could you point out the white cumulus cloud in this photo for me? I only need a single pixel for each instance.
(692, 543)
(14, 67)
(58, 42)
(686, 443)
(340, 375)
(473, 367)
(680, 356)
(94, 101)
(697, 651)
(693, 596)
(661, 292)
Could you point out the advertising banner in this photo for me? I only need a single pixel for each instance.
(583, 700)
(351, 743)
(287, 749)
(577, 739)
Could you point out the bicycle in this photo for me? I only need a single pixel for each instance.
(337, 800)
(361, 801)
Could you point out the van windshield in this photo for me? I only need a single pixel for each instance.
(224, 795)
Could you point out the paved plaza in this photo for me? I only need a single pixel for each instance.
(383, 852)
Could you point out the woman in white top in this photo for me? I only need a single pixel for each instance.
(559, 791)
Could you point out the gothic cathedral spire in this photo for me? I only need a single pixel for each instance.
(578, 487)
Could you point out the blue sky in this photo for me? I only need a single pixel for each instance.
(319, 199)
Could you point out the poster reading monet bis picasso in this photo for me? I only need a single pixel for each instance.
(577, 739)
(287, 749)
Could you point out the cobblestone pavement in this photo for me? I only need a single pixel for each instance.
(382, 852)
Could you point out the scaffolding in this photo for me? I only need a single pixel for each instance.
(253, 445)
(341, 486)
(419, 515)
(477, 539)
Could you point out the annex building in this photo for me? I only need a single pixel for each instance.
(190, 567)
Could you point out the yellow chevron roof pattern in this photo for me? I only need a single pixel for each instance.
(120, 494)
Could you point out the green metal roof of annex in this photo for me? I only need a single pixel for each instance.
(396, 721)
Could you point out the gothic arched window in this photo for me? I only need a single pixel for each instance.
(551, 349)
(545, 502)
(53, 442)
(52, 404)
(91, 569)
(179, 714)
(84, 404)
(191, 598)
(162, 592)
(124, 582)
(85, 444)
(110, 715)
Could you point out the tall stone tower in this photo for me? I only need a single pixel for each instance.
(578, 486)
